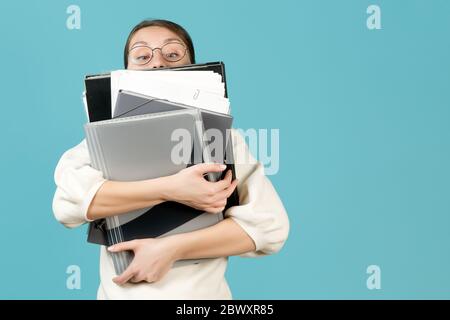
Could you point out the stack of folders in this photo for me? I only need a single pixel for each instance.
(142, 141)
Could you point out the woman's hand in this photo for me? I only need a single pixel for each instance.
(153, 258)
(191, 188)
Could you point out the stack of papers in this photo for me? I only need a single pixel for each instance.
(203, 90)
(200, 89)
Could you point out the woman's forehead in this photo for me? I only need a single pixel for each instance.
(153, 36)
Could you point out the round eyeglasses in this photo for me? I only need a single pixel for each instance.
(171, 52)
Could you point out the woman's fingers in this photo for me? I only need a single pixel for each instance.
(137, 278)
(214, 209)
(221, 202)
(217, 201)
(225, 193)
(123, 246)
(224, 183)
(125, 276)
(216, 206)
(211, 196)
(204, 168)
(232, 186)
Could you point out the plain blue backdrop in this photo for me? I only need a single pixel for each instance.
(364, 137)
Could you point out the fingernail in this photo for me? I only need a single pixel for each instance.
(222, 166)
(111, 248)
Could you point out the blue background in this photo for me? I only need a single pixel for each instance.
(364, 128)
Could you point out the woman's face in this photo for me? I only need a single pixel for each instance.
(155, 37)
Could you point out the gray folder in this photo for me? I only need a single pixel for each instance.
(130, 103)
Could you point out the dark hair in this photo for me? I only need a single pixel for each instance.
(172, 26)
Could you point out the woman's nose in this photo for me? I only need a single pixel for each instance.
(157, 60)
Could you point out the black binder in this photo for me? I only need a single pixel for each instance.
(98, 98)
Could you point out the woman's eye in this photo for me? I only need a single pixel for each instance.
(143, 58)
(172, 55)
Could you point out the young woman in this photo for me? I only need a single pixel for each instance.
(258, 226)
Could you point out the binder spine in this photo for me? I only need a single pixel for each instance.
(121, 260)
(204, 148)
(199, 131)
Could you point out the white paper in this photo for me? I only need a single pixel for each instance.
(201, 89)
(83, 97)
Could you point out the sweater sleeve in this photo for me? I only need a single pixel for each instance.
(261, 213)
(76, 185)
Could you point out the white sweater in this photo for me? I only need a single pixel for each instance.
(260, 213)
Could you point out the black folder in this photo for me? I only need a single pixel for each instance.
(98, 98)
